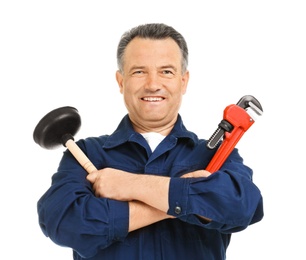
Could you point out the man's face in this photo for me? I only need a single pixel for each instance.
(152, 83)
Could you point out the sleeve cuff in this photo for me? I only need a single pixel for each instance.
(119, 220)
(178, 197)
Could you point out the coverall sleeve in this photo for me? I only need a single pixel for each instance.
(71, 216)
(228, 197)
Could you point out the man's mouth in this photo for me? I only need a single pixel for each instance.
(153, 99)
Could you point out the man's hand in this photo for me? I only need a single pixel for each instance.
(196, 174)
(112, 183)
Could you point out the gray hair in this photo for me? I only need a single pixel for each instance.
(155, 31)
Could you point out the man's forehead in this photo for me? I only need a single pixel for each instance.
(148, 50)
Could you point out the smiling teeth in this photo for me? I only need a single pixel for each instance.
(153, 99)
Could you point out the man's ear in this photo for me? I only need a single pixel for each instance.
(185, 80)
(119, 79)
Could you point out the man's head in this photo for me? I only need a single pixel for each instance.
(152, 76)
(152, 31)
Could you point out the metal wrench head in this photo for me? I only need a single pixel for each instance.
(249, 101)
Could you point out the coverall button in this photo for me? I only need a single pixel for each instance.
(177, 210)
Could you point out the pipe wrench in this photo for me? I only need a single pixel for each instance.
(237, 119)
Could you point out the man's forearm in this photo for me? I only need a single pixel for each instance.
(152, 190)
(120, 185)
(142, 215)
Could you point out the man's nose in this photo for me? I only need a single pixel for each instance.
(153, 82)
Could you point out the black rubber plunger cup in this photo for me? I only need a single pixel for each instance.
(58, 128)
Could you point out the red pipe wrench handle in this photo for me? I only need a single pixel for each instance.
(241, 122)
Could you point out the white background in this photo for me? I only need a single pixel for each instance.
(58, 53)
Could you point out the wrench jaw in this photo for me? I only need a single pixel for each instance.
(237, 119)
(249, 102)
(251, 105)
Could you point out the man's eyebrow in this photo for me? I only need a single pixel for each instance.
(168, 67)
(136, 68)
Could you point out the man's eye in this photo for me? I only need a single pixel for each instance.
(167, 72)
(138, 72)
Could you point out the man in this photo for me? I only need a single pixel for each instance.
(151, 198)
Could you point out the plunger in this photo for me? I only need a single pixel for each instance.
(58, 128)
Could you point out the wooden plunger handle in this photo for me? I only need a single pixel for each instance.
(80, 156)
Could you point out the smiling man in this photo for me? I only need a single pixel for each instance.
(151, 197)
(153, 82)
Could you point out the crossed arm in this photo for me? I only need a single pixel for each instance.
(147, 194)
